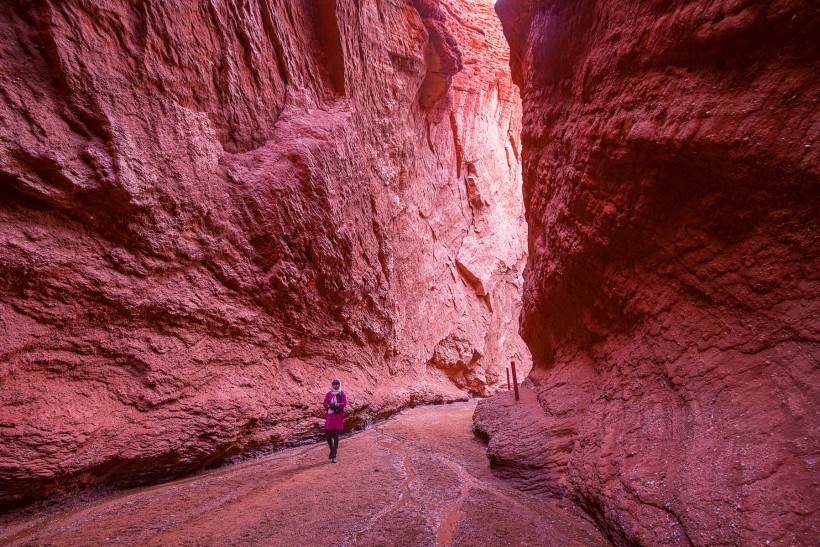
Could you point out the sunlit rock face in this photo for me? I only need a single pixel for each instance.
(670, 154)
(209, 209)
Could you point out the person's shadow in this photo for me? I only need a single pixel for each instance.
(294, 471)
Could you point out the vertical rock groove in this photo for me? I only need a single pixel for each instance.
(330, 44)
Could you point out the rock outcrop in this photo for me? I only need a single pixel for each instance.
(208, 209)
(671, 180)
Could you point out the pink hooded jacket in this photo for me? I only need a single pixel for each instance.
(335, 420)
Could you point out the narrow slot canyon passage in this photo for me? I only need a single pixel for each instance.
(420, 478)
(208, 210)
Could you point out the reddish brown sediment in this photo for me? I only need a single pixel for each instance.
(419, 479)
(207, 210)
(671, 181)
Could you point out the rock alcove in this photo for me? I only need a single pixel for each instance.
(208, 209)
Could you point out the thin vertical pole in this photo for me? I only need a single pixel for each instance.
(508, 379)
(515, 379)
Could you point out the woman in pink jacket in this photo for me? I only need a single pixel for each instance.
(335, 402)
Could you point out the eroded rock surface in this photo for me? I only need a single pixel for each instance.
(209, 209)
(671, 173)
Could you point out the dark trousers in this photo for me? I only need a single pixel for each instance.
(333, 440)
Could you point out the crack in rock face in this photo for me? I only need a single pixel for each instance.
(458, 358)
(672, 189)
(209, 211)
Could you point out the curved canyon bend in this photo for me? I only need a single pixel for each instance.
(208, 209)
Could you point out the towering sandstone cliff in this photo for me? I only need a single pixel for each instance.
(208, 209)
(671, 179)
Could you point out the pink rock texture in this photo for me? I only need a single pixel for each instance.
(672, 290)
(209, 209)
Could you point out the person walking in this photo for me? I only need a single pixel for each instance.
(335, 402)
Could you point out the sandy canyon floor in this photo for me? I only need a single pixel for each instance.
(420, 478)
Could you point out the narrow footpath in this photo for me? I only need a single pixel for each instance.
(418, 479)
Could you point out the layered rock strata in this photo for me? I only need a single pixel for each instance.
(671, 180)
(207, 210)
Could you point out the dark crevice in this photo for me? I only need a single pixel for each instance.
(330, 43)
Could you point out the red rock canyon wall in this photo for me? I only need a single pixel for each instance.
(208, 209)
(671, 171)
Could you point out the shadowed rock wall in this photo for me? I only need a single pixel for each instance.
(671, 180)
(207, 210)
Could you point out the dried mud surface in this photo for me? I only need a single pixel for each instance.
(421, 478)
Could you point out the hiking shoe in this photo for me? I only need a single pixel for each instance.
(333, 460)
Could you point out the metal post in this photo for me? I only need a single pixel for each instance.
(515, 379)
(508, 379)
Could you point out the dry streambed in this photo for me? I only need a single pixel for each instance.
(418, 479)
